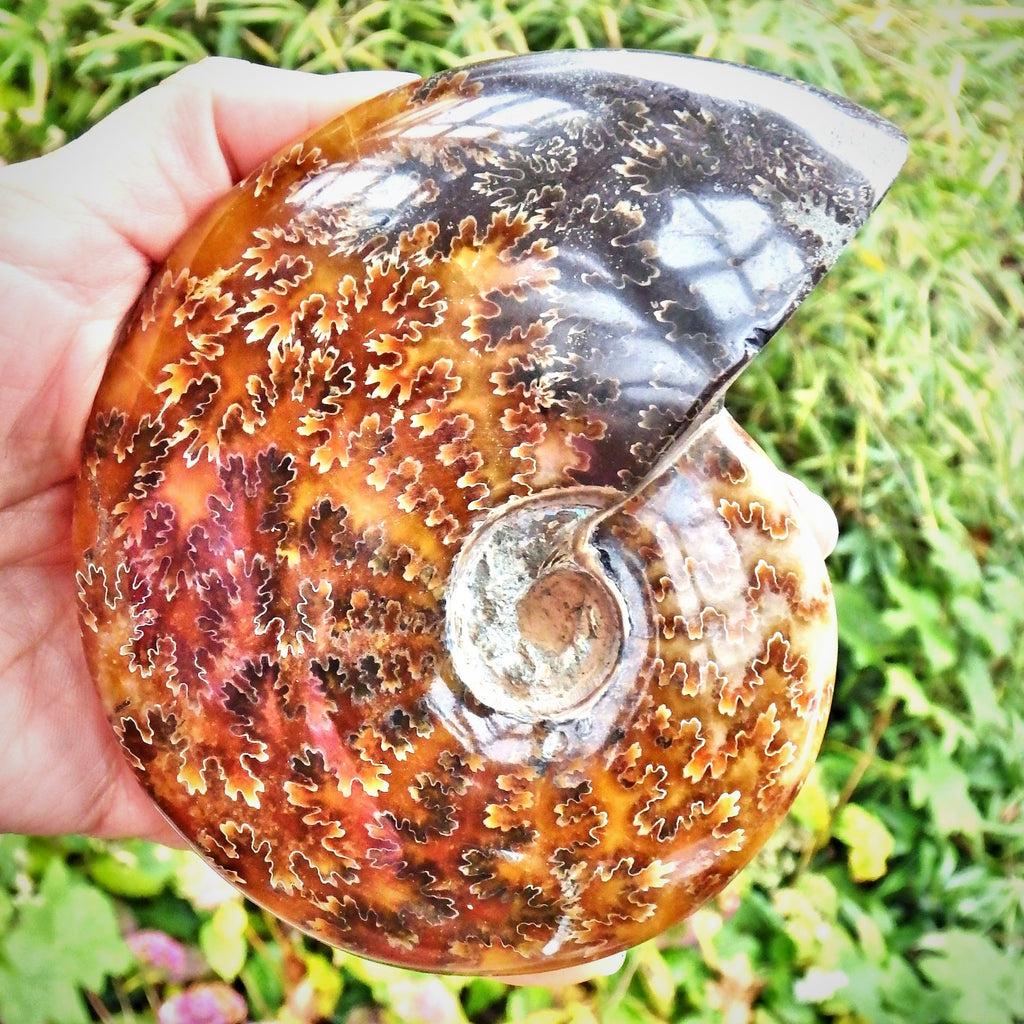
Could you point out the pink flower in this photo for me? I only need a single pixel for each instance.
(424, 1001)
(204, 1004)
(157, 949)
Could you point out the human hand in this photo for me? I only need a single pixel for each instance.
(80, 231)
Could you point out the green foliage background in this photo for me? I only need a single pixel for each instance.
(895, 892)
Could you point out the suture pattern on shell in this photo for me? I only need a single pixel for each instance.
(512, 295)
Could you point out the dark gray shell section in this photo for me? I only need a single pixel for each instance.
(693, 205)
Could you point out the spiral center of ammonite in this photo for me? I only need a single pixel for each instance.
(535, 628)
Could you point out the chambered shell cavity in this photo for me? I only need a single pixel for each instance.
(429, 588)
(533, 633)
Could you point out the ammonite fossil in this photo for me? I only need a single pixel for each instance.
(430, 589)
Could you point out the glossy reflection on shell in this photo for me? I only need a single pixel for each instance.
(429, 589)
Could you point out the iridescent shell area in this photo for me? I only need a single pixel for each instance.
(428, 588)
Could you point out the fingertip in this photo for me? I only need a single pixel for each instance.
(824, 524)
(821, 519)
(609, 965)
(569, 975)
(369, 83)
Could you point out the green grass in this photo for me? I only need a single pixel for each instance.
(897, 391)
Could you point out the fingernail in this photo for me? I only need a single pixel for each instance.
(609, 965)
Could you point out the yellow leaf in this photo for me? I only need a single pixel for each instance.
(870, 843)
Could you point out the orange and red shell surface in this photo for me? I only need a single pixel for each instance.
(429, 588)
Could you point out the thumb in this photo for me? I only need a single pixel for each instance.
(153, 166)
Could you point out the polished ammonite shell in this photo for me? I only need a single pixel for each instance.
(430, 590)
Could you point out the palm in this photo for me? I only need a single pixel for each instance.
(60, 770)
